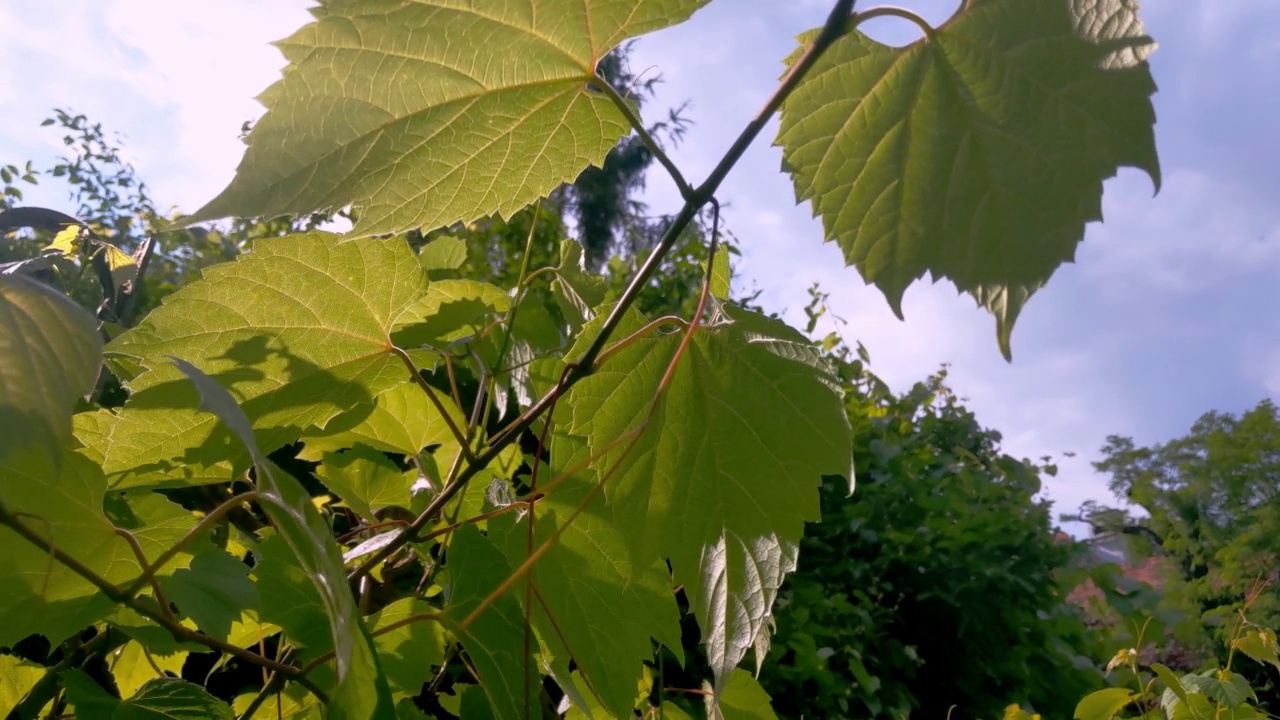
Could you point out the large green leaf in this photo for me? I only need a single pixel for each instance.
(362, 690)
(50, 352)
(426, 112)
(728, 471)
(62, 501)
(977, 155)
(495, 640)
(367, 481)
(299, 330)
(591, 608)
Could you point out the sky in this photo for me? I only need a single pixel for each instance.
(1169, 311)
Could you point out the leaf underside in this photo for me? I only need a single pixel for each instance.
(423, 113)
(978, 155)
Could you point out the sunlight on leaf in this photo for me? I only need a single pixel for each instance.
(428, 112)
(977, 156)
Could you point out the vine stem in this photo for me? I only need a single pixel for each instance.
(149, 570)
(526, 568)
(837, 25)
(900, 12)
(686, 190)
(435, 400)
(120, 597)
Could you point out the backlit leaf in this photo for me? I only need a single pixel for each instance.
(586, 580)
(495, 640)
(1103, 704)
(62, 501)
(50, 353)
(428, 112)
(366, 480)
(361, 689)
(977, 155)
(298, 330)
(711, 484)
(17, 677)
(409, 653)
(742, 699)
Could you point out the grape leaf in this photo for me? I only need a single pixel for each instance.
(742, 699)
(50, 352)
(88, 698)
(288, 598)
(298, 329)
(366, 480)
(361, 688)
(17, 677)
(428, 112)
(172, 699)
(592, 603)
(400, 420)
(977, 155)
(729, 468)
(408, 652)
(577, 291)
(495, 640)
(132, 666)
(214, 592)
(62, 501)
(442, 257)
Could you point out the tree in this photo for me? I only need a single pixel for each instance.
(938, 591)
(440, 495)
(1212, 505)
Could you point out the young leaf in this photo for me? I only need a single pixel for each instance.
(742, 699)
(50, 352)
(132, 666)
(1260, 645)
(434, 112)
(577, 291)
(728, 470)
(1103, 704)
(495, 640)
(976, 161)
(361, 688)
(299, 329)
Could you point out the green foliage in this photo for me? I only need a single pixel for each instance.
(491, 129)
(1209, 500)
(944, 546)
(454, 473)
(930, 157)
(50, 353)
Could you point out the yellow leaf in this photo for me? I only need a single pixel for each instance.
(68, 242)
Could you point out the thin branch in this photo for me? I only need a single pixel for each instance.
(686, 190)
(435, 400)
(146, 570)
(147, 610)
(837, 25)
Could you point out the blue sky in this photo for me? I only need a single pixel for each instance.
(1170, 310)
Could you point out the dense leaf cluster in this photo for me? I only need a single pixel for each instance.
(424, 469)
